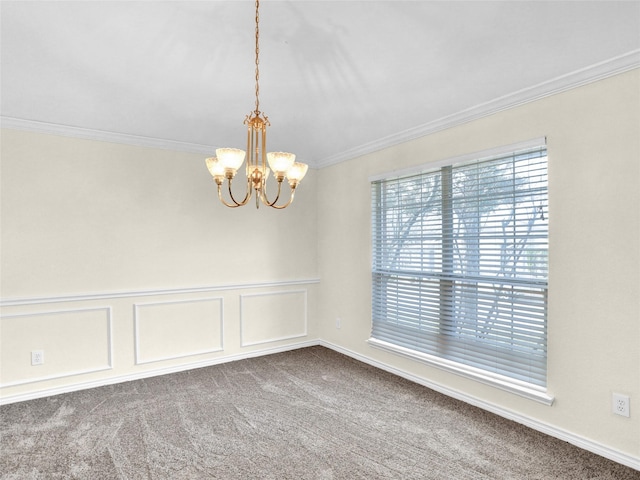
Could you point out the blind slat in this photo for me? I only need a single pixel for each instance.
(460, 259)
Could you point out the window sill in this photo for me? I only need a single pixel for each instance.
(523, 389)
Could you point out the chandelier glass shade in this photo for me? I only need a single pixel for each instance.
(228, 161)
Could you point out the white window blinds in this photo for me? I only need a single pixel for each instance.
(460, 263)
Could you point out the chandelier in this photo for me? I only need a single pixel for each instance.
(228, 161)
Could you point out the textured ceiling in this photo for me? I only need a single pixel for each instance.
(334, 75)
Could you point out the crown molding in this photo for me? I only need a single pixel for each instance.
(578, 78)
(102, 136)
(593, 73)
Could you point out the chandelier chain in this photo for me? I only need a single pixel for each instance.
(224, 166)
(257, 58)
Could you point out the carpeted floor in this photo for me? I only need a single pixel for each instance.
(306, 414)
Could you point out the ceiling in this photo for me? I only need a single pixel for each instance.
(337, 78)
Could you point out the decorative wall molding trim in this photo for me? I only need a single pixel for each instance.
(12, 302)
(564, 435)
(244, 343)
(103, 136)
(593, 73)
(140, 360)
(578, 78)
(4, 400)
(108, 366)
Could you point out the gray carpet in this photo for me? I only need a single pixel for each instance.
(306, 414)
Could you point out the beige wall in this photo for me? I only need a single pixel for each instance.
(85, 216)
(594, 281)
(119, 261)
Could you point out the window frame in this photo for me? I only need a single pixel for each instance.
(520, 387)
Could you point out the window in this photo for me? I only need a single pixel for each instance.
(460, 265)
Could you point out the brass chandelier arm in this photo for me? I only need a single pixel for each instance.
(235, 203)
(265, 199)
(280, 207)
(224, 202)
(247, 196)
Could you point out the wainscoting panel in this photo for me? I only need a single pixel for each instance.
(272, 316)
(179, 328)
(74, 342)
(99, 338)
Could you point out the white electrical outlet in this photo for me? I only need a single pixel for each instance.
(621, 404)
(37, 357)
(338, 322)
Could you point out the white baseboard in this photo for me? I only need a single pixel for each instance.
(564, 435)
(48, 392)
(577, 440)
